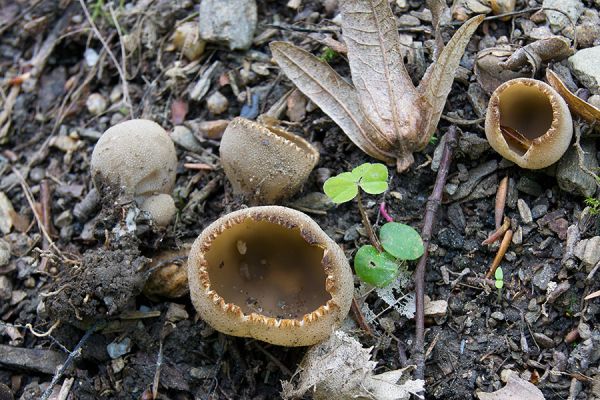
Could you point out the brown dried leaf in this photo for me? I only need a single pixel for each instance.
(437, 82)
(336, 97)
(576, 104)
(551, 48)
(378, 73)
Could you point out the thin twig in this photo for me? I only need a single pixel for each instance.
(431, 208)
(72, 357)
(367, 223)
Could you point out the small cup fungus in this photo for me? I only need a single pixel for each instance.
(138, 158)
(270, 273)
(528, 123)
(265, 163)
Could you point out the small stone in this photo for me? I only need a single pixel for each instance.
(96, 103)
(182, 136)
(63, 219)
(4, 252)
(457, 217)
(217, 103)
(118, 349)
(472, 145)
(6, 214)
(187, 40)
(588, 29)
(595, 100)
(529, 186)
(90, 133)
(37, 174)
(65, 144)
(584, 331)
(524, 211)
(212, 129)
(6, 288)
(408, 20)
(176, 312)
(437, 308)
(517, 238)
(588, 251)
(585, 67)
(202, 372)
(539, 211)
(116, 94)
(571, 177)
(117, 365)
(17, 297)
(229, 22)
(296, 106)
(543, 340)
(498, 315)
(560, 13)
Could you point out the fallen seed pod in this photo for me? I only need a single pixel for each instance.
(528, 123)
(266, 164)
(270, 273)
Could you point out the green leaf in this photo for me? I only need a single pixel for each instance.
(499, 284)
(401, 241)
(499, 274)
(375, 268)
(372, 178)
(341, 188)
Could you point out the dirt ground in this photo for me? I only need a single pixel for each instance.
(52, 64)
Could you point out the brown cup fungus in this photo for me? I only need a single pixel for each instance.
(528, 123)
(266, 164)
(138, 160)
(272, 274)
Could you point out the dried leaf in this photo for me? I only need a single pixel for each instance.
(340, 368)
(516, 388)
(551, 48)
(336, 97)
(488, 70)
(437, 82)
(378, 73)
(576, 104)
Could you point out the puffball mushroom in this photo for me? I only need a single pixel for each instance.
(137, 157)
(528, 123)
(264, 163)
(272, 274)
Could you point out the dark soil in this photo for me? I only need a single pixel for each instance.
(96, 280)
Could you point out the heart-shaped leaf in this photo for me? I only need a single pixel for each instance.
(341, 188)
(375, 268)
(401, 241)
(373, 177)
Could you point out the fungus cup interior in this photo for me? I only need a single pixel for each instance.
(525, 114)
(268, 269)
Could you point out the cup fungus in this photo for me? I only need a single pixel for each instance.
(137, 158)
(266, 164)
(270, 273)
(529, 123)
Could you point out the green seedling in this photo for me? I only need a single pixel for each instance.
(327, 55)
(594, 205)
(399, 242)
(499, 275)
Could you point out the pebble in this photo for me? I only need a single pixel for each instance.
(230, 22)
(211, 129)
(5, 288)
(543, 340)
(116, 94)
(517, 238)
(63, 219)
(184, 137)
(588, 251)
(571, 178)
(37, 174)
(584, 65)
(408, 20)
(539, 211)
(524, 211)
(529, 186)
(187, 39)
(96, 104)
(567, 11)
(4, 252)
(457, 217)
(217, 103)
(6, 214)
(497, 315)
(118, 349)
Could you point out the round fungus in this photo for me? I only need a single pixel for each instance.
(137, 158)
(528, 123)
(264, 163)
(270, 273)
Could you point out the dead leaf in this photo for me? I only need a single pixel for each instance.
(576, 104)
(383, 114)
(336, 97)
(340, 368)
(516, 388)
(488, 70)
(553, 48)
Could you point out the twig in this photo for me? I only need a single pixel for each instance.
(431, 208)
(46, 196)
(111, 55)
(367, 223)
(72, 357)
(123, 59)
(360, 318)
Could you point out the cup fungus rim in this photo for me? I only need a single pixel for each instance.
(542, 87)
(327, 262)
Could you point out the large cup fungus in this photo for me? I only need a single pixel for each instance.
(270, 273)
